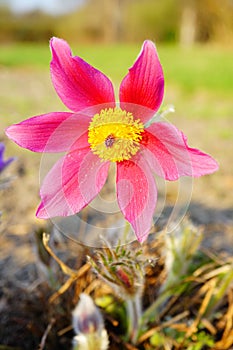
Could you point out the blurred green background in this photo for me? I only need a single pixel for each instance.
(195, 44)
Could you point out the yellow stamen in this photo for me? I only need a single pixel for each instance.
(114, 135)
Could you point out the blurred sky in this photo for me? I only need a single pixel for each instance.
(51, 6)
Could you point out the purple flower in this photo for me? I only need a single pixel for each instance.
(4, 164)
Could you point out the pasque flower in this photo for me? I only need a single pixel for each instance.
(99, 131)
(88, 325)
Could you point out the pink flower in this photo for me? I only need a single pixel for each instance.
(98, 132)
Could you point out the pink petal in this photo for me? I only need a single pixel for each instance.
(78, 84)
(202, 163)
(52, 132)
(137, 194)
(165, 149)
(144, 84)
(72, 183)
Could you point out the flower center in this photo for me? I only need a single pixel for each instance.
(114, 135)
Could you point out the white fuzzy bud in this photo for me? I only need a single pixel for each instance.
(88, 324)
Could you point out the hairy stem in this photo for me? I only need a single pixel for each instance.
(134, 312)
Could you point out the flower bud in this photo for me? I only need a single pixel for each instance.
(88, 324)
(86, 316)
(122, 269)
(180, 247)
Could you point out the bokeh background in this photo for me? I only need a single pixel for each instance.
(195, 44)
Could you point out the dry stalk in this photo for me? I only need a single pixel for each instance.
(73, 274)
